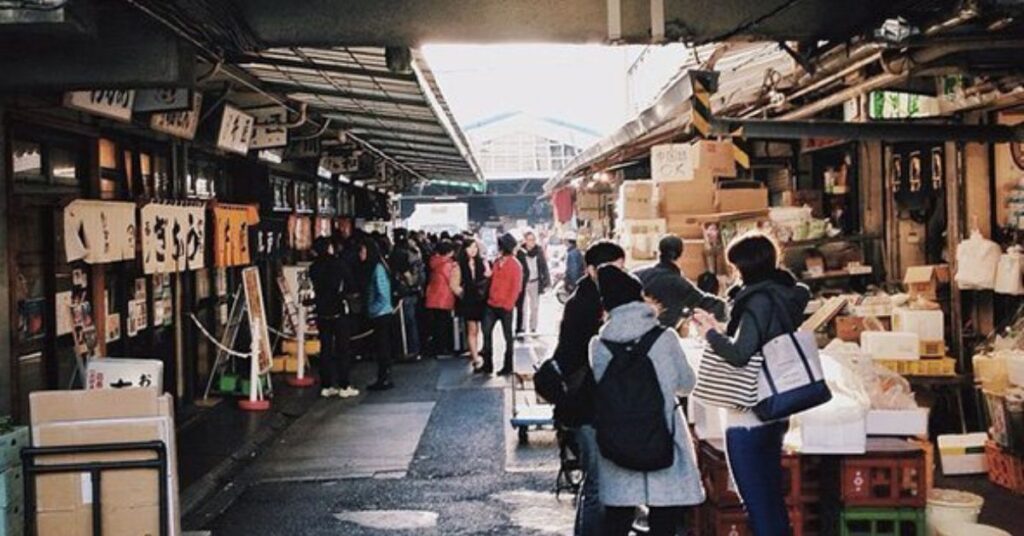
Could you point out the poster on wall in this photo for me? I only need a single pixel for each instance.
(99, 231)
(231, 225)
(62, 312)
(300, 232)
(83, 329)
(297, 289)
(173, 238)
(31, 320)
(113, 327)
(138, 317)
(257, 316)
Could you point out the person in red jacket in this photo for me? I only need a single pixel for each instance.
(444, 285)
(506, 285)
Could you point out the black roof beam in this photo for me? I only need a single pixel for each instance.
(279, 87)
(322, 67)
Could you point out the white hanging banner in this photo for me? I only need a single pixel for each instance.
(172, 238)
(99, 231)
(111, 103)
(235, 131)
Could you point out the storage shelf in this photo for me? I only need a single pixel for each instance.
(830, 240)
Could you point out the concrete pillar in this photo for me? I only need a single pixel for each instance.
(6, 357)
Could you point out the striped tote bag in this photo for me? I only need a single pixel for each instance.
(723, 385)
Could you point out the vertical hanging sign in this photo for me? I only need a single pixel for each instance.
(235, 132)
(110, 103)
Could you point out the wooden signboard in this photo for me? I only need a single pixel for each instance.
(257, 317)
(235, 131)
(181, 124)
(110, 103)
(162, 100)
(270, 127)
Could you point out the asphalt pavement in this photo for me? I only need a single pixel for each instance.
(436, 455)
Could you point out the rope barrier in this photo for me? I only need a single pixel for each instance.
(214, 340)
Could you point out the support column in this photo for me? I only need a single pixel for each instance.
(7, 358)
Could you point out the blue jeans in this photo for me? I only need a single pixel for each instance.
(412, 334)
(589, 510)
(755, 459)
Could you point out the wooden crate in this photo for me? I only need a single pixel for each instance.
(889, 479)
(714, 472)
(1004, 468)
(882, 522)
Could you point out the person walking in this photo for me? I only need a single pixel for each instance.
(536, 280)
(380, 309)
(575, 267)
(443, 286)
(632, 324)
(407, 267)
(581, 321)
(476, 276)
(754, 447)
(674, 294)
(330, 277)
(506, 286)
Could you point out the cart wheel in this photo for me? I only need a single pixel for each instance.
(524, 437)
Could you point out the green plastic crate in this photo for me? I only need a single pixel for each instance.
(882, 522)
(228, 383)
(11, 444)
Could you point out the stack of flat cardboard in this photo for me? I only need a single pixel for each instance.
(130, 498)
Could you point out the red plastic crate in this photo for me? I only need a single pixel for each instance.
(885, 479)
(715, 520)
(1004, 469)
(714, 470)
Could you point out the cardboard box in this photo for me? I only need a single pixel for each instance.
(894, 346)
(637, 201)
(696, 196)
(120, 373)
(686, 225)
(740, 199)
(963, 454)
(640, 237)
(928, 324)
(898, 422)
(693, 260)
(130, 498)
(589, 201)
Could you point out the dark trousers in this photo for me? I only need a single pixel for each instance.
(663, 521)
(491, 316)
(382, 334)
(520, 305)
(755, 459)
(335, 336)
(440, 337)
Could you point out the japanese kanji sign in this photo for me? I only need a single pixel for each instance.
(235, 132)
(173, 238)
(99, 231)
(231, 224)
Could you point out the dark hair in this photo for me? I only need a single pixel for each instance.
(373, 253)
(444, 247)
(670, 247)
(754, 255)
(322, 246)
(507, 243)
(603, 251)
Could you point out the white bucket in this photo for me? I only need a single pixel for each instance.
(970, 529)
(951, 507)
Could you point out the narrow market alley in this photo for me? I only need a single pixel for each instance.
(435, 455)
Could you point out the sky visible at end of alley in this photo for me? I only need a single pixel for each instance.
(582, 84)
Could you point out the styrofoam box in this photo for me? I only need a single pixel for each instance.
(836, 427)
(929, 325)
(708, 421)
(897, 422)
(891, 345)
(106, 373)
(963, 454)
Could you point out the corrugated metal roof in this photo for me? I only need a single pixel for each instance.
(402, 115)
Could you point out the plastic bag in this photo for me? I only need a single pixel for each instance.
(977, 259)
(1008, 272)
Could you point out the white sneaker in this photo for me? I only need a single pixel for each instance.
(348, 392)
(328, 392)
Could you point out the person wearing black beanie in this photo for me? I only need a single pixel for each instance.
(618, 287)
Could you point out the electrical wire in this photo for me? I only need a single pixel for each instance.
(751, 23)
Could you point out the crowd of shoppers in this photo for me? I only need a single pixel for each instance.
(618, 349)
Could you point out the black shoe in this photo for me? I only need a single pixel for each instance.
(380, 385)
(505, 371)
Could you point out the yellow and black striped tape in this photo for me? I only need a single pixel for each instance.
(701, 108)
(740, 151)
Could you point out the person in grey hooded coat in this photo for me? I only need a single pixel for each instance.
(667, 490)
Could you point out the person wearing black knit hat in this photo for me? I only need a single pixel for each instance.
(665, 491)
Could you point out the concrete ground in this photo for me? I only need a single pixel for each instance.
(436, 455)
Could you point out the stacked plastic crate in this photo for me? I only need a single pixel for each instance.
(12, 487)
(884, 491)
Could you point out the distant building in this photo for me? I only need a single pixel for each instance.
(517, 153)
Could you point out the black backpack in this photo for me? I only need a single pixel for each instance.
(629, 415)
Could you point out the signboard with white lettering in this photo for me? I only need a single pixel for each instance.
(309, 148)
(270, 130)
(111, 103)
(340, 164)
(162, 100)
(179, 124)
(235, 131)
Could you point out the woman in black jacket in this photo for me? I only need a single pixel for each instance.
(763, 294)
(476, 273)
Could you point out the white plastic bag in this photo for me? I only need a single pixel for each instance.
(1008, 272)
(977, 259)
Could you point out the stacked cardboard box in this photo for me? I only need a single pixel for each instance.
(637, 224)
(12, 486)
(130, 498)
(590, 205)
